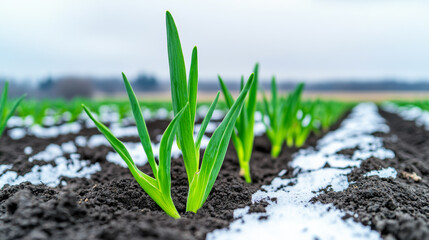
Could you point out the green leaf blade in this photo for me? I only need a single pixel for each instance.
(149, 185)
(164, 176)
(179, 94)
(193, 84)
(3, 100)
(141, 125)
(228, 97)
(177, 67)
(205, 122)
(215, 152)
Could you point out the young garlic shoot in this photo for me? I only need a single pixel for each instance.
(4, 114)
(282, 115)
(243, 136)
(184, 92)
(158, 187)
(328, 112)
(292, 106)
(306, 123)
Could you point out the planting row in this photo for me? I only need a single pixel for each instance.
(366, 180)
(289, 208)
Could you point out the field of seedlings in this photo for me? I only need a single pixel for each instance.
(258, 165)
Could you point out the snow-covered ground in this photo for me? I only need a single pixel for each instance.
(291, 215)
(49, 174)
(108, 114)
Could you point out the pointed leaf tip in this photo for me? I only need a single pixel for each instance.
(168, 16)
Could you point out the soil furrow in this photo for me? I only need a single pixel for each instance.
(398, 208)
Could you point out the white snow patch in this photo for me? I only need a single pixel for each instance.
(119, 131)
(139, 156)
(97, 140)
(4, 167)
(292, 212)
(136, 151)
(45, 132)
(28, 150)
(15, 121)
(88, 122)
(259, 129)
(51, 152)
(202, 111)
(282, 172)
(383, 173)
(50, 175)
(28, 121)
(258, 116)
(80, 141)
(147, 114)
(69, 147)
(211, 127)
(162, 113)
(67, 116)
(218, 114)
(55, 131)
(48, 120)
(355, 132)
(17, 133)
(306, 121)
(108, 114)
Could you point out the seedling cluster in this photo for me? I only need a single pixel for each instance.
(243, 136)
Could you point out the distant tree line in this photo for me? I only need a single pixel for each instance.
(334, 85)
(70, 87)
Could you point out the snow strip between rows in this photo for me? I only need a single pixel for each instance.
(290, 214)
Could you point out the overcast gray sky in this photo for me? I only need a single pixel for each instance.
(305, 39)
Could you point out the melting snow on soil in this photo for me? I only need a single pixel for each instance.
(289, 213)
(51, 174)
(383, 173)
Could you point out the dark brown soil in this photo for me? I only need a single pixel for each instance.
(111, 205)
(398, 208)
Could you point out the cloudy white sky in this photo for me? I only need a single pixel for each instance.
(305, 39)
